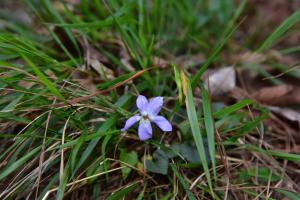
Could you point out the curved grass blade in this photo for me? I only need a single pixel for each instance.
(280, 31)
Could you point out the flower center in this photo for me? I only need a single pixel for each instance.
(145, 117)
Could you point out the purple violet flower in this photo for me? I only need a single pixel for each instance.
(148, 113)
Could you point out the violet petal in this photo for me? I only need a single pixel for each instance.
(132, 120)
(154, 106)
(145, 130)
(162, 123)
(141, 103)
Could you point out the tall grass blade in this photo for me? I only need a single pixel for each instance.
(209, 126)
(193, 119)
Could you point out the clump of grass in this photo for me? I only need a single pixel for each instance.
(70, 79)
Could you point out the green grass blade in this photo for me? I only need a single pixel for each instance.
(43, 78)
(120, 194)
(227, 35)
(58, 18)
(184, 184)
(11, 106)
(63, 182)
(290, 50)
(193, 119)
(75, 150)
(14, 166)
(290, 195)
(88, 150)
(233, 108)
(56, 37)
(275, 153)
(280, 31)
(178, 83)
(286, 156)
(209, 126)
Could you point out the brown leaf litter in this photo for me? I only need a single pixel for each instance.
(282, 95)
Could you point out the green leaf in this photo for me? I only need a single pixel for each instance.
(97, 24)
(277, 154)
(58, 18)
(142, 193)
(104, 150)
(130, 158)
(159, 164)
(168, 196)
(51, 183)
(188, 151)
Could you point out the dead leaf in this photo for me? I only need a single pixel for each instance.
(26, 84)
(127, 64)
(16, 11)
(160, 62)
(282, 95)
(266, 15)
(251, 57)
(93, 71)
(102, 70)
(86, 80)
(189, 60)
(288, 113)
(92, 53)
(220, 81)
